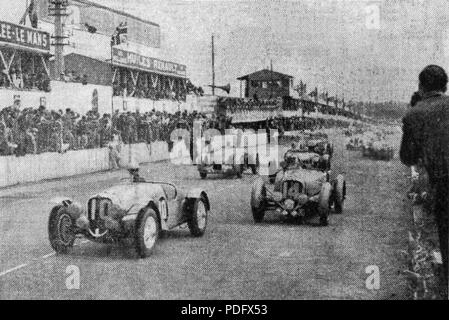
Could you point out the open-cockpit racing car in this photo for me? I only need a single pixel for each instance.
(306, 157)
(219, 157)
(378, 150)
(373, 145)
(138, 210)
(303, 188)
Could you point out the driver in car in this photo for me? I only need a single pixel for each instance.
(134, 172)
(288, 153)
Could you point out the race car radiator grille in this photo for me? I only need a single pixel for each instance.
(98, 208)
(291, 189)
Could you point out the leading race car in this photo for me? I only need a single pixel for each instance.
(378, 150)
(301, 190)
(306, 158)
(136, 209)
(227, 160)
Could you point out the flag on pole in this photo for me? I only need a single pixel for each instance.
(31, 12)
(323, 95)
(301, 88)
(314, 93)
(120, 35)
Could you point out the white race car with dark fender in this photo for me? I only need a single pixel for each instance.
(136, 210)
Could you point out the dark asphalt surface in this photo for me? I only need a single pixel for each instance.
(235, 259)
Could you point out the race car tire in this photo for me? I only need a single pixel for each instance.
(197, 220)
(258, 198)
(339, 194)
(323, 203)
(147, 232)
(61, 230)
(203, 174)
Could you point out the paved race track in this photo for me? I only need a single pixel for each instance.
(235, 259)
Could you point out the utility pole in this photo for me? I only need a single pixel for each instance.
(271, 82)
(213, 66)
(58, 9)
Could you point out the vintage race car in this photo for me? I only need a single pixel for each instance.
(378, 150)
(354, 143)
(138, 210)
(300, 191)
(227, 160)
(305, 159)
(320, 146)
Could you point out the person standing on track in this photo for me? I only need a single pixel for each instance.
(426, 138)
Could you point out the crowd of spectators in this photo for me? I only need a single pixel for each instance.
(37, 130)
(303, 123)
(73, 76)
(311, 107)
(240, 104)
(234, 105)
(192, 89)
(163, 88)
(22, 80)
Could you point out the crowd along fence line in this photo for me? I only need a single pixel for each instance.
(32, 168)
(37, 167)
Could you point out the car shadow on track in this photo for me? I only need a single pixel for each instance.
(125, 249)
(275, 220)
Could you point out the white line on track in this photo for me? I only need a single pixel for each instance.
(48, 255)
(3, 273)
(13, 269)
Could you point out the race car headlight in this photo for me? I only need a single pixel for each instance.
(289, 204)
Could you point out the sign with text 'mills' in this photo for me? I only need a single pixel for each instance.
(132, 59)
(24, 36)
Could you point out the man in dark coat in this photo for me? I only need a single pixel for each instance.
(426, 140)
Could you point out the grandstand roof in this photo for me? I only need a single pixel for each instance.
(265, 75)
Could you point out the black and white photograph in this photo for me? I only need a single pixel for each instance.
(236, 151)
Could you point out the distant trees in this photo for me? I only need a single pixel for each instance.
(382, 110)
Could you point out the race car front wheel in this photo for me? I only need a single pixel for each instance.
(324, 203)
(339, 194)
(61, 230)
(258, 199)
(147, 232)
(197, 221)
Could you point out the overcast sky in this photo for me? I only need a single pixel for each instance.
(336, 45)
